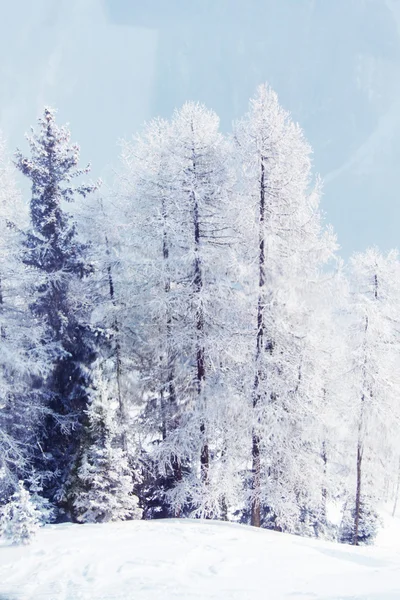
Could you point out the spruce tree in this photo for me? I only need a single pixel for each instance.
(20, 518)
(54, 251)
(104, 488)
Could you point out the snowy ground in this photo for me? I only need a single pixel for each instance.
(188, 560)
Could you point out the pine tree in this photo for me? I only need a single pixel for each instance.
(53, 250)
(103, 489)
(20, 518)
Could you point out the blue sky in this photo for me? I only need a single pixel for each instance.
(109, 65)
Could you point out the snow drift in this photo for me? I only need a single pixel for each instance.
(186, 559)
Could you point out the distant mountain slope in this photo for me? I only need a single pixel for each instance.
(110, 64)
(335, 65)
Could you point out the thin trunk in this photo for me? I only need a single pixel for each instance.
(256, 462)
(361, 432)
(358, 493)
(324, 490)
(2, 328)
(256, 502)
(163, 415)
(170, 380)
(324, 456)
(170, 408)
(360, 435)
(118, 360)
(224, 509)
(397, 491)
(200, 353)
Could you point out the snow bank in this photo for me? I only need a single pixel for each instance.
(186, 559)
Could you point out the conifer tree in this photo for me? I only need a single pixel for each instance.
(103, 490)
(53, 250)
(20, 518)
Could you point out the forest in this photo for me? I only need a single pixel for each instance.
(186, 341)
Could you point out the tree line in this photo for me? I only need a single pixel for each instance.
(187, 342)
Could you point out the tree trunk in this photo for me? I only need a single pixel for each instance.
(324, 490)
(118, 361)
(397, 491)
(170, 379)
(2, 329)
(256, 502)
(358, 493)
(361, 432)
(200, 353)
(256, 460)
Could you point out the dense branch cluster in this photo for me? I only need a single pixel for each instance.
(188, 343)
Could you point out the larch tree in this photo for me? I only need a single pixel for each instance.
(104, 218)
(178, 180)
(53, 250)
(202, 235)
(373, 338)
(146, 187)
(286, 247)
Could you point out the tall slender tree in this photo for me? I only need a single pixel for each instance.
(286, 246)
(373, 346)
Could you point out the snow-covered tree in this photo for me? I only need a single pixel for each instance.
(23, 360)
(19, 517)
(105, 218)
(367, 522)
(178, 177)
(57, 256)
(104, 487)
(145, 203)
(47, 512)
(286, 245)
(373, 338)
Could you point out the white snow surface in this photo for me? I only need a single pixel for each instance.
(187, 559)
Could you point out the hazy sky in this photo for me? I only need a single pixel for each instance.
(108, 65)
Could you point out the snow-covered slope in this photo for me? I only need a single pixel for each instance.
(187, 560)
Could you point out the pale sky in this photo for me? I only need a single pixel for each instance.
(109, 65)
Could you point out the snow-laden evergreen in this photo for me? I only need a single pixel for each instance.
(58, 258)
(19, 519)
(103, 487)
